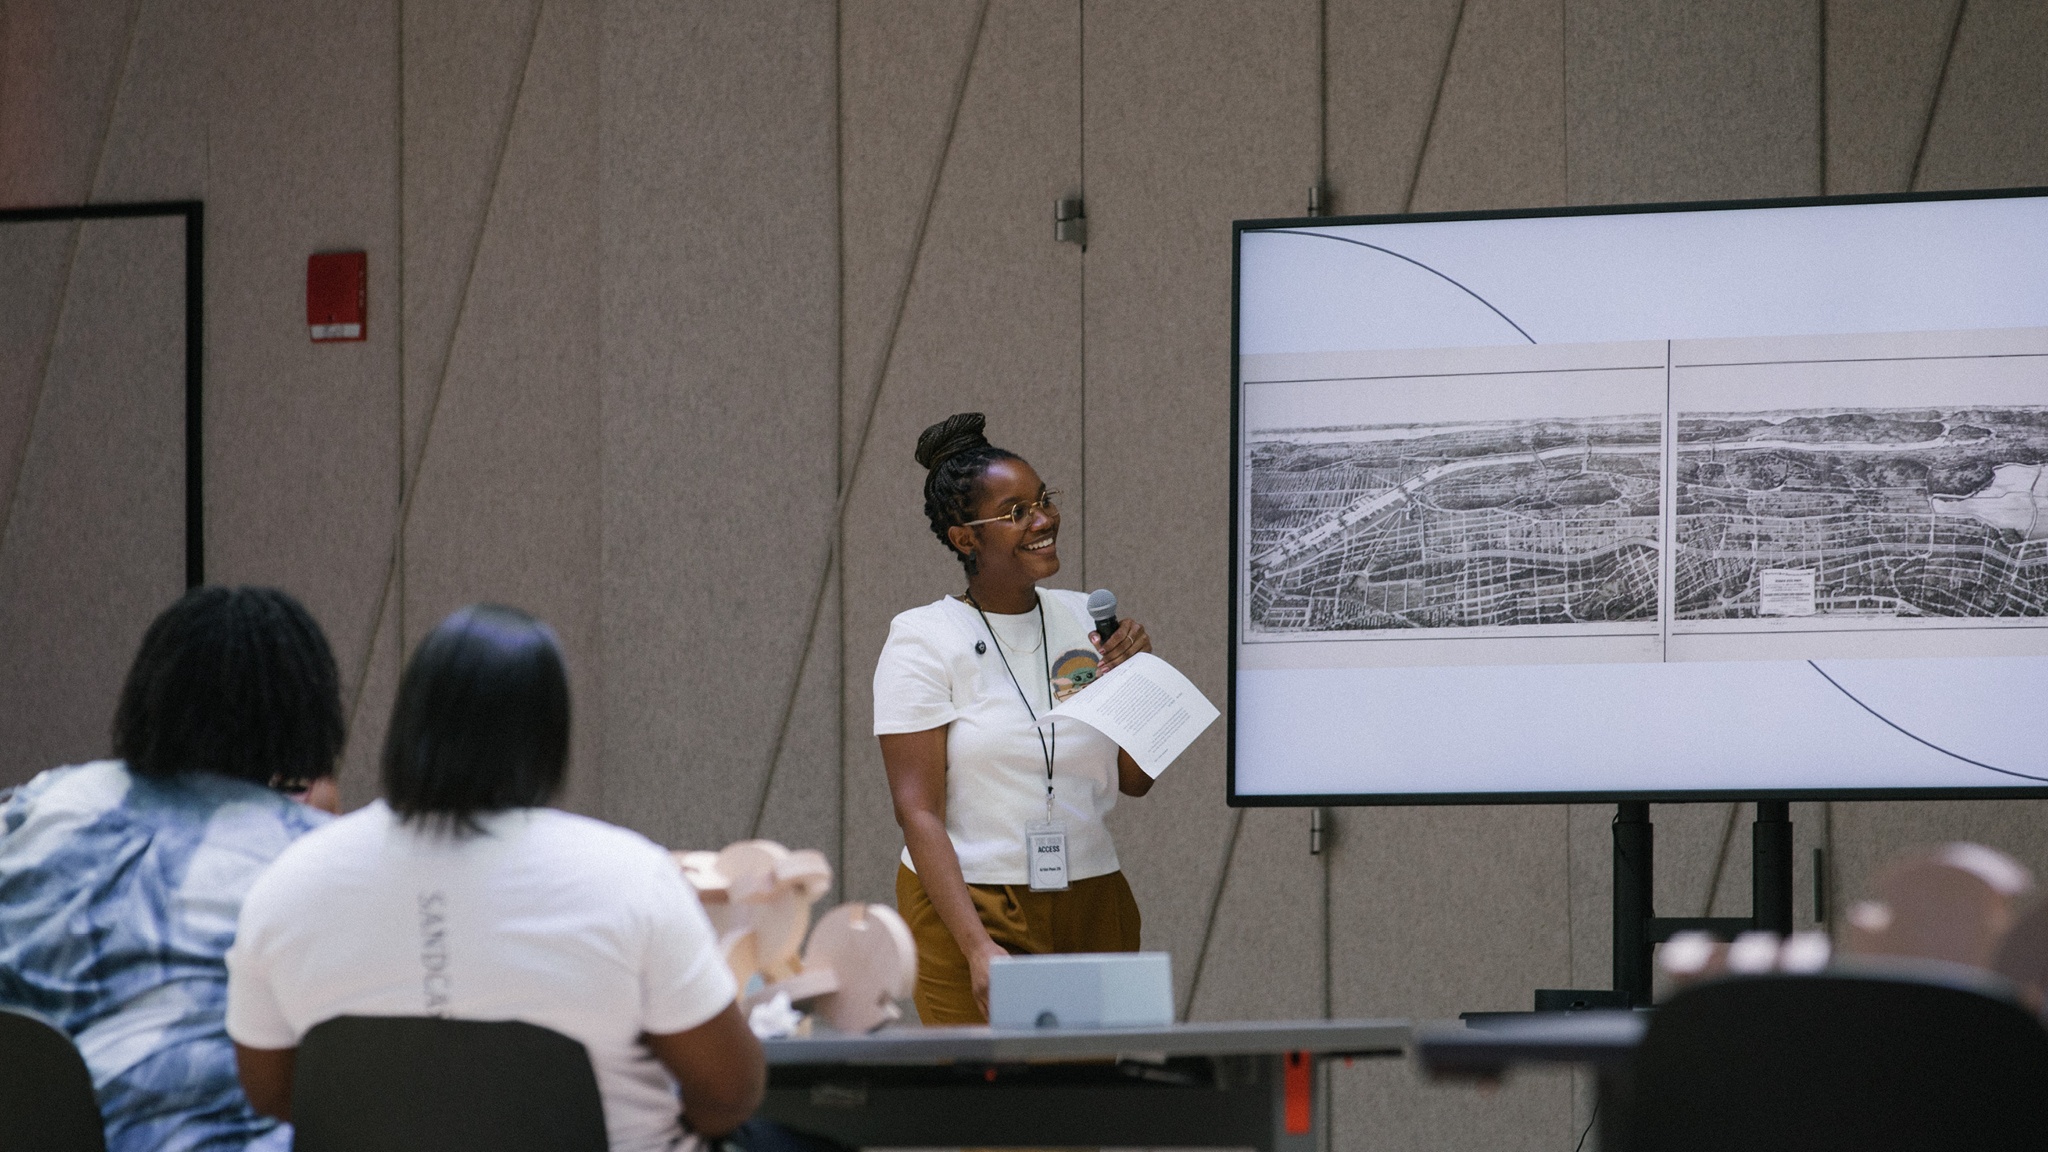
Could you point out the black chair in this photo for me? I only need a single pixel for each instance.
(46, 1098)
(406, 1083)
(1893, 1058)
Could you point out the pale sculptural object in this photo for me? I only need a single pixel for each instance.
(1690, 957)
(773, 888)
(758, 894)
(868, 949)
(1954, 903)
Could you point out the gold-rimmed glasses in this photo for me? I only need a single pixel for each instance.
(1021, 514)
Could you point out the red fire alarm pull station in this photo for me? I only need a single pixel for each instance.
(337, 295)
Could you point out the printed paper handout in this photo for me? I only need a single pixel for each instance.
(1146, 706)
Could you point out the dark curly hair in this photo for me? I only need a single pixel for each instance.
(955, 454)
(235, 681)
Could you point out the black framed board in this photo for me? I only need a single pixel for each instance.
(193, 215)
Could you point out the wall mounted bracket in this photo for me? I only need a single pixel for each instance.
(1070, 222)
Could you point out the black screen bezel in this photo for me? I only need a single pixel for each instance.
(1382, 799)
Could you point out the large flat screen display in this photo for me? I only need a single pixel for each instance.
(1697, 502)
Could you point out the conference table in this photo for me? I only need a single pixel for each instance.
(1224, 1084)
(1489, 1044)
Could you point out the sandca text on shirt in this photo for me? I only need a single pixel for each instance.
(434, 979)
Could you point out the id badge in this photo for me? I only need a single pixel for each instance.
(1045, 853)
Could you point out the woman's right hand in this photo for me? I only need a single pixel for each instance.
(977, 968)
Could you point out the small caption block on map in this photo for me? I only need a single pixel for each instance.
(1785, 592)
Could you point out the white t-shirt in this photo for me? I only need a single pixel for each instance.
(930, 675)
(549, 918)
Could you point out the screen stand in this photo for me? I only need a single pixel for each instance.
(1637, 927)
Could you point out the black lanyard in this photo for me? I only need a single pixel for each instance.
(1045, 653)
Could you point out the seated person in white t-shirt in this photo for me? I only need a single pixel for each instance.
(461, 896)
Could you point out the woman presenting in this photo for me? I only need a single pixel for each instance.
(979, 790)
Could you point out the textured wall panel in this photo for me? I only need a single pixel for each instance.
(1870, 835)
(1991, 124)
(901, 68)
(1442, 911)
(1387, 1106)
(900, 65)
(301, 438)
(802, 808)
(1589, 852)
(1490, 109)
(1265, 958)
(463, 63)
(157, 131)
(1691, 99)
(508, 506)
(1498, 139)
(60, 62)
(1447, 910)
(35, 263)
(1196, 116)
(991, 324)
(63, 71)
(721, 408)
(1883, 60)
(1689, 839)
(95, 545)
(368, 690)
(1385, 60)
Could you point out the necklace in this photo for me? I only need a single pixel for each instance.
(1033, 638)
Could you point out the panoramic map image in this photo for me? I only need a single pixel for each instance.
(1453, 525)
(1879, 513)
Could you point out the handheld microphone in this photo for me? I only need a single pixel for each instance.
(1102, 606)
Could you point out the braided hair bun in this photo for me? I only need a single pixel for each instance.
(960, 432)
(954, 454)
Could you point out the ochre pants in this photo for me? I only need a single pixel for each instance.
(1098, 914)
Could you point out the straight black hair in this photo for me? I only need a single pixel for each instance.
(234, 681)
(481, 723)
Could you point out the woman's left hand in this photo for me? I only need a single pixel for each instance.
(1127, 641)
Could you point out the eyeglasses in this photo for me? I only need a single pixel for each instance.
(1022, 512)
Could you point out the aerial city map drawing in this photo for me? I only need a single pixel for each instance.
(1885, 514)
(1455, 525)
(1818, 517)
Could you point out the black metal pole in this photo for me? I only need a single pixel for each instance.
(1771, 866)
(1633, 869)
(195, 399)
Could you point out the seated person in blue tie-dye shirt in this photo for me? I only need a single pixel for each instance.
(120, 880)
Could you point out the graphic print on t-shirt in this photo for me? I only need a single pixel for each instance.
(434, 952)
(1073, 671)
